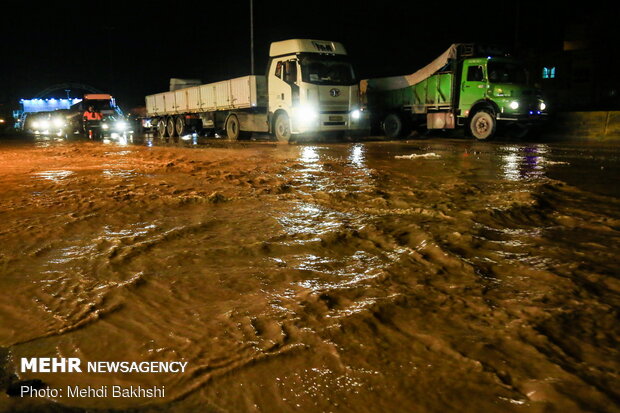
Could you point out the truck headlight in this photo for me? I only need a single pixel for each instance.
(514, 105)
(543, 106)
(45, 124)
(120, 125)
(35, 124)
(59, 123)
(105, 126)
(306, 114)
(356, 114)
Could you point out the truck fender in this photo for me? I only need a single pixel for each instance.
(483, 104)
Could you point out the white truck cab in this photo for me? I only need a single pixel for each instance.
(312, 88)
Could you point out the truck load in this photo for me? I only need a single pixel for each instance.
(309, 87)
(466, 86)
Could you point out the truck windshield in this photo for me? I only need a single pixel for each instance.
(326, 70)
(506, 72)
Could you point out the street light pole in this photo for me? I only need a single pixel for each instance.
(252, 36)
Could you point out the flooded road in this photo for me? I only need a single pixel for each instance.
(418, 276)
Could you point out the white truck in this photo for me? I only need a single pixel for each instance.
(310, 87)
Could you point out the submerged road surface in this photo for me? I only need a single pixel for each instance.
(421, 276)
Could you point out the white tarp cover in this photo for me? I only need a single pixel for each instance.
(399, 82)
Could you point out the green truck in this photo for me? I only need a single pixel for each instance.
(467, 86)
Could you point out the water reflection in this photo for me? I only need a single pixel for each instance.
(43, 141)
(121, 139)
(310, 219)
(524, 163)
(192, 138)
(119, 173)
(54, 175)
(357, 156)
(326, 176)
(309, 155)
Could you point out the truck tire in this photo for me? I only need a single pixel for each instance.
(162, 131)
(483, 125)
(395, 126)
(282, 128)
(170, 129)
(179, 126)
(233, 128)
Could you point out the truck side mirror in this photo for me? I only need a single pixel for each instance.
(290, 71)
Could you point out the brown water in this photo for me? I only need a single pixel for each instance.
(479, 277)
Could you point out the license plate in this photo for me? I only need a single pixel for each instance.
(335, 118)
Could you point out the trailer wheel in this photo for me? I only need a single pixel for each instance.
(394, 126)
(170, 127)
(179, 126)
(162, 132)
(282, 128)
(482, 125)
(233, 128)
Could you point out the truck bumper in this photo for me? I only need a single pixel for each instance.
(327, 122)
(532, 117)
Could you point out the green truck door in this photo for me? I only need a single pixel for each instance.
(473, 86)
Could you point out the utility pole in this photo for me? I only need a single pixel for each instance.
(252, 36)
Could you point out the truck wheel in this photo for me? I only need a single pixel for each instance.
(395, 126)
(170, 127)
(282, 128)
(482, 125)
(162, 132)
(179, 126)
(233, 128)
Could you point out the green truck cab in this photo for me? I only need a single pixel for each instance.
(458, 89)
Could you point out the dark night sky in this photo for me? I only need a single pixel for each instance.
(131, 50)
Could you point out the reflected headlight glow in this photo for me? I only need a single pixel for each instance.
(121, 125)
(514, 105)
(45, 124)
(35, 124)
(105, 126)
(58, 122)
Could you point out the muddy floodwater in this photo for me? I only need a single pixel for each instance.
(420, 276)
